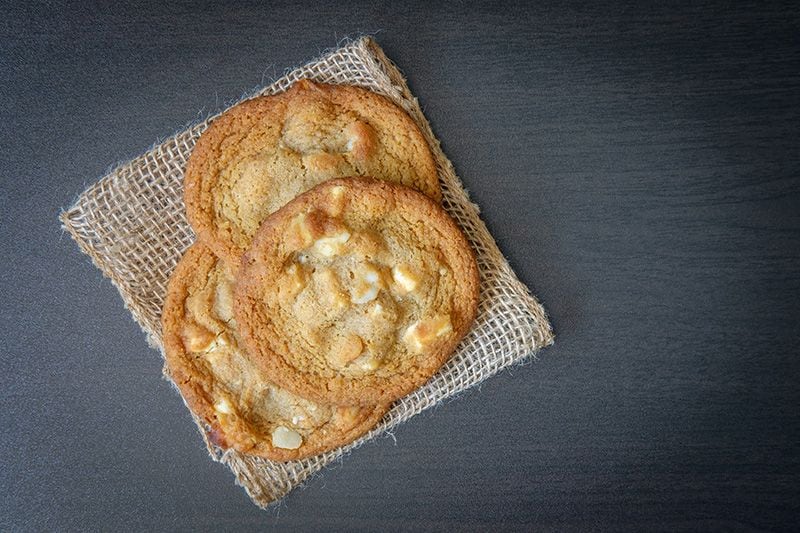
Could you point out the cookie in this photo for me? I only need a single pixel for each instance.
(262, 153)
(241, 407)
(356, 292)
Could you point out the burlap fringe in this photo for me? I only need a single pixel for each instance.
(133, 226)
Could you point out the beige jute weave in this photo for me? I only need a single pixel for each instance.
(133, 225)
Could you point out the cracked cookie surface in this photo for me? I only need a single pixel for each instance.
(356, 292)
(263, 152)
(240, 406)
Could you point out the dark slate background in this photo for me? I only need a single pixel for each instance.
(637, 162)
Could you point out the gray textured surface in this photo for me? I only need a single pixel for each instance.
(638, 164)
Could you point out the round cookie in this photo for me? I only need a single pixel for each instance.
(356, 292)
(242, 408)
(262, 153)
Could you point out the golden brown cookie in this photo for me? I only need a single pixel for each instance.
(242, 408)
(262, 153)
(356, 292)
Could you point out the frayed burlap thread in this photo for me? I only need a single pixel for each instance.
(132, 224)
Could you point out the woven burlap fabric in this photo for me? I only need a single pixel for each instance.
(132, 223)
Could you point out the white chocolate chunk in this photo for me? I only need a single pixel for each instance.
(300, 230)
(288, 439)
(405, 279)
(212, 351)
(198, 339)
(421, 334)
(223, 301)
(331, 245)
(220, 341)
(367, 285)
(224, 406)
(367, 363)
(364, 292)
(200, 344)
(296, 279)
(336, 201)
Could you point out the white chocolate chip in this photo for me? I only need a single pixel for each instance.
(220, 341)
(199, 344)
(297, 419)
(421, 334)
(224, 406)
(367, 364)
(405, 279)
(198, 339)
(223, 301)
(336, 201)
(288, 439)
(295, 281)
(364, 293)
(367, 285)
(331, 245)
(301, 230)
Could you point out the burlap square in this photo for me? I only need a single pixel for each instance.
(133, 225)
